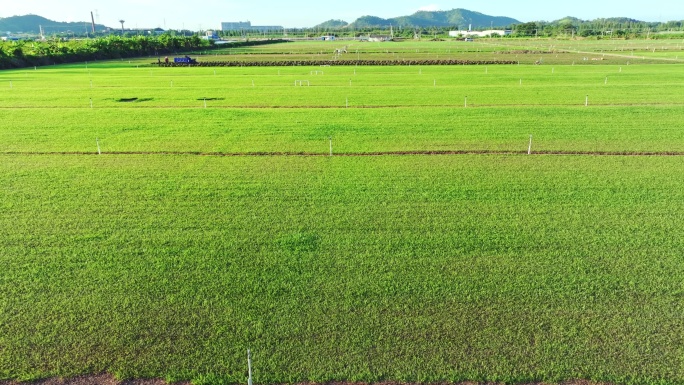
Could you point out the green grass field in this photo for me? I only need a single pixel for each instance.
(149, 261)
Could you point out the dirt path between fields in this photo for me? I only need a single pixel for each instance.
(94, 379)
(594, 55)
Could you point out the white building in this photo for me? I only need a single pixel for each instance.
(486, 33)
(380, 38)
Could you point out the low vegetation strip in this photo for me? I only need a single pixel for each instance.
(372, 153)
(296, 63)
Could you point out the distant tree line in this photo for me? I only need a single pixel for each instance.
(569, 27)
(27, 53)
(601, 28)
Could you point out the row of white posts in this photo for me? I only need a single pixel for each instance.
(99, 152)
(301, 82)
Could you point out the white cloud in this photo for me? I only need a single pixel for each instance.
(431, 7)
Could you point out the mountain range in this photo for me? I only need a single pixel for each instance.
(460, 18)
(456, 18)
(31, 24)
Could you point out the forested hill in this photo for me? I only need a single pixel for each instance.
(31, 24)
(453, 18)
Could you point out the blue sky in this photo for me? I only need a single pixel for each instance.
(208, 14)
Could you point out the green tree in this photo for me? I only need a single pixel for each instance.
(526, 29)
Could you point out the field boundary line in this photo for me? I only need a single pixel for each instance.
(625, 56)
(603, 53)
(460, 105)
(350, 154)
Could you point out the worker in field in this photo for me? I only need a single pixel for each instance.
(166, 59)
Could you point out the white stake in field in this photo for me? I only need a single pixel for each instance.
(529, 146)
(249, 367)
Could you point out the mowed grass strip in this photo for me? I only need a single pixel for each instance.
(353, 131)
(378, 109)
(449, 268)
(341, 87)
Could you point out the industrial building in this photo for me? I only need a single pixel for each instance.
(247, 26)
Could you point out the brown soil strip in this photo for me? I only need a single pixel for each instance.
(300, 63)
(92, 379)
(106, 379)
(355, 154)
